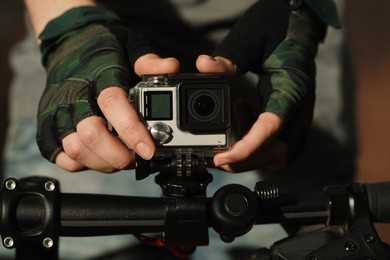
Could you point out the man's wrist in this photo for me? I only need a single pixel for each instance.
(76, 18)
(43, 11)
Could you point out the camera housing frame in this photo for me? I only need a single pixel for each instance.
(185, 113)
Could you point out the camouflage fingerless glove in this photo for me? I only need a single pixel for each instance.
(278, 40)
(84, 52)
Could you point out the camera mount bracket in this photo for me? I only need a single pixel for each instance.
(30, 217)
(183, 178)
(183, 174)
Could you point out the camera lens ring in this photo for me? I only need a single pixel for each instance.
(204, 105)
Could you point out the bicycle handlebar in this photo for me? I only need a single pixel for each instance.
(93, 214)
(96, 215)
(30, 210)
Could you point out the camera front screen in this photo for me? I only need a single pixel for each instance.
(158, 105)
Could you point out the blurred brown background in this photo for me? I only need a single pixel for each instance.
(368, 27)
(11, 30)
(368, 24)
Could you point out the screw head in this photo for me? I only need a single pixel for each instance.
(369, 239)
(10, 184)
(8, 242)
(48, 242)
(350, 246)
(50, 186)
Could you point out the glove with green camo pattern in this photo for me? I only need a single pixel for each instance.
(278, 40)
(84, 52)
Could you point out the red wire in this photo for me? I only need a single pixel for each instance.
(159, 242)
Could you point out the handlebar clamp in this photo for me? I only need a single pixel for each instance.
(30, 213)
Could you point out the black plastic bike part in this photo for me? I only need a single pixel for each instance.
(98, 215)
(183, 220)
(267, 189)
(306, 208)
(338, 205)
(187, 169)
(146, 167)
(30, 217)
(186, 222)
(179, 175)
(233, 211)
(379, 201)
(352, 236)
(24, 219)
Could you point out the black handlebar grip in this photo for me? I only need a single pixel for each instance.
(379, 201)
(97, 215)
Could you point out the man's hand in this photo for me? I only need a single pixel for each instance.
(279, 43)
(93, 146)
(258, 146)
(89, 72)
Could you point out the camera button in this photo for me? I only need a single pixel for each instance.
(161, 132)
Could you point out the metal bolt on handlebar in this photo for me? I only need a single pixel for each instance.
(350, 246)
(370, 239)
(48, 242)
(50, 186)
(10, 184)
(8, 242)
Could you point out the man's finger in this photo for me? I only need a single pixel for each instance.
(262, 132)
(272, 157)
(93, 133)
(207, 64)
(117, 109)
(67, 163)
(75, 150)
(153, 64)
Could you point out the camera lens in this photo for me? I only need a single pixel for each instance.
(204, 108)
(204, 105)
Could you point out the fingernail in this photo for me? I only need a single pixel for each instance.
(144, 151)
(212, 58)
(208, 57)
(222, 161)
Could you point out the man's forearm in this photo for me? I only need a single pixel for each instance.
(42, 11)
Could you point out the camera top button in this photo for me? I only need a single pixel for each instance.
(156, 79)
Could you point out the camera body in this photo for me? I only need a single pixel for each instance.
(185, 113)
